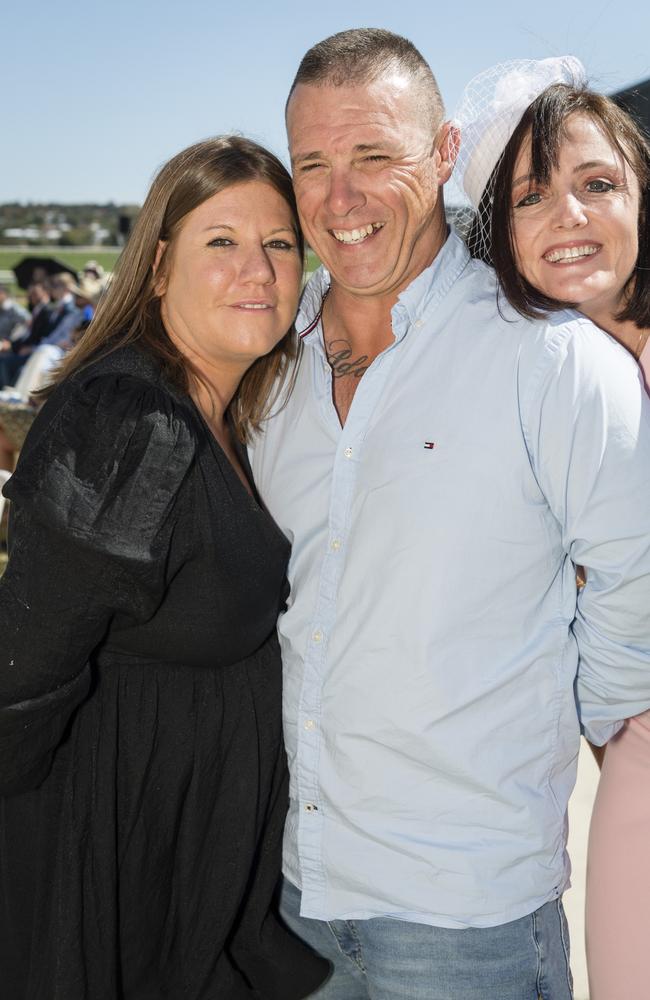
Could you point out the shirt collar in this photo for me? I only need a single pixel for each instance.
(424, 292)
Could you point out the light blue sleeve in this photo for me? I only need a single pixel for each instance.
(586, 419)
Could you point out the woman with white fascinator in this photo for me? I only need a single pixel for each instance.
(559, 177)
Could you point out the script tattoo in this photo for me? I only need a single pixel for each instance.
(339, 353)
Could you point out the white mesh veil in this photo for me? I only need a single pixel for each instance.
(489, 111)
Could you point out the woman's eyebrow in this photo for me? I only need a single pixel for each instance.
(590, 164)
(525, 178)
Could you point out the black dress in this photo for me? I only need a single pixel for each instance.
(141, 760)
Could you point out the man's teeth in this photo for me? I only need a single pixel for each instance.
(356, 235)
(569, 253)
(254, 305)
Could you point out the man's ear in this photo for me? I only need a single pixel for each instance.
(447, 147)
(160, 277)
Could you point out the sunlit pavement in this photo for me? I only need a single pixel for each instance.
(574, 899)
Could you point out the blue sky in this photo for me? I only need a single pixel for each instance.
(96, 96)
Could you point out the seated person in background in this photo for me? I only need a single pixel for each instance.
(38, 365)
(64, 314)
(14, 322)
(53, 335)
(38, 303)
(38, 296)
(86, 296)
(94, 272)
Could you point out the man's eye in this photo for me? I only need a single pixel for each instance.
(599, 186)
(307, 168)
(220, 241)
(376, 157)
(532, 198)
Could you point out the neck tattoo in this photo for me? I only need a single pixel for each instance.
(339, 355)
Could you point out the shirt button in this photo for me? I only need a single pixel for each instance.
(348, 452)
(311, 808)
(418, 324)
(317, 636)
(310, 724)
(335, 544)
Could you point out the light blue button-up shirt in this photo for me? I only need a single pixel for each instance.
(432, 637)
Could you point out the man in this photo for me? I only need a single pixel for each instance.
(14, 321)
(438, 466)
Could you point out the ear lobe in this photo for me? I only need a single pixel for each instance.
(160, 279)
(447, 147)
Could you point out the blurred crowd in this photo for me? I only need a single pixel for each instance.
(33, 340)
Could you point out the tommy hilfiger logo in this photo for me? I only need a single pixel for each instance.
(429, 444)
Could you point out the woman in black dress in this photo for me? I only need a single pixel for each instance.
(141, 760)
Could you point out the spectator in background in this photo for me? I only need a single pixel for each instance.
(40, 360)
(14, 321)
(86, 296)
(38, 297)
(94, 272)
(52, 327)
(40, 324)
(63, 305)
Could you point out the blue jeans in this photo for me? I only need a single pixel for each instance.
(386, 959)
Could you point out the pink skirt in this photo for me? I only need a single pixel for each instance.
(618, 870)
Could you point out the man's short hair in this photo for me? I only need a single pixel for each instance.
(362, 55)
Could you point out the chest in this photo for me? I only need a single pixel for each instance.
(431, 453)
(225, 574)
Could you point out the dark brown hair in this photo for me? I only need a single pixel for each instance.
(361, 55)
(129, 311)
(545, 120)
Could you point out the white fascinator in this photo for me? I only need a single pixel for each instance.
(491, 107)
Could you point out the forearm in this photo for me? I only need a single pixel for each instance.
(49, 630)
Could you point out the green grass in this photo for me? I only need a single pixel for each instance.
(73, 258)
(312, 261)
(9, 256)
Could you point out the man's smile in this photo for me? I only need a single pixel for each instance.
(356, 235)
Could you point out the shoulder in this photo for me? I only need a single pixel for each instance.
(113, 403)
(108, 452)
(19, 312)
(566, 341)
(573, 373)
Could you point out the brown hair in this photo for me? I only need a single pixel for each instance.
(362, 55)
(129, 311)
(545, 120)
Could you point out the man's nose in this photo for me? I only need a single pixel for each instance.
(344, 194)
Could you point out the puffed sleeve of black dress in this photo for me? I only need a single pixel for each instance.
(93, 507)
